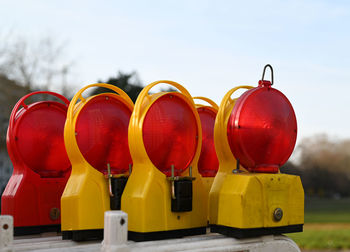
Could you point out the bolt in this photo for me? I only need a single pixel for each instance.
(122, 221)
(54, 213)
(5, 226)
(278, 214)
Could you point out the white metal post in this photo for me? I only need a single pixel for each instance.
(6, 233)
(115, 234)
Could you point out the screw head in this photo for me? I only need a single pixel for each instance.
(278, 214)
(54, 213)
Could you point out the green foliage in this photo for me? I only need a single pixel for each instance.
(327, 224)
(323, 239)
(129, 83)
(327, 217)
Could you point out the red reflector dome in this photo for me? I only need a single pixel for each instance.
(102, 134)
(262, 130)
(39, 138)
(208, 163)
(170, 134)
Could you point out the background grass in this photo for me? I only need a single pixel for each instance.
(313, 238)
(323, 210)
(327, 224)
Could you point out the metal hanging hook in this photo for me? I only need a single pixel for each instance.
(271, 69)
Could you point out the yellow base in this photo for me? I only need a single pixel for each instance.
(147, 201)
(84, 200)
(249, 200)
(207, 181)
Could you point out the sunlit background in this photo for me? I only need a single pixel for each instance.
(207, 46)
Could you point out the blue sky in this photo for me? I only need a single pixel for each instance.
(208, 46)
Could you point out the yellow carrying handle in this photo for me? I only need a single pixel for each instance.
(228, 100)
(78, 96)
(222, 146)
(211, 102)
(72, 147)
(144, 92)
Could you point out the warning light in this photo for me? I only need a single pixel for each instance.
(40, 164)
(96, 138)
(170, 134)
(249, 196)
(208, 163)
(165, 195)
(102, 134)
(262, 129)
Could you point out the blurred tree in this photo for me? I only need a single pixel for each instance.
(9, 95)
(34, 64)
(129, 83)
(324, 166)
(328, 154)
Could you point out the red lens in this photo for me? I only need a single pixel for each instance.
(39, 138)
(262, 129)
(208, 163)
(102, 134)
(170, 134)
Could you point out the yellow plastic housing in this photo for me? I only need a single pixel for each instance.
(147, 196)
(86, 196)
(248, 200)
